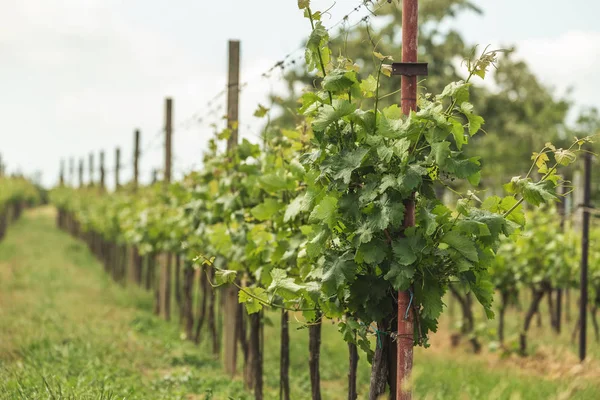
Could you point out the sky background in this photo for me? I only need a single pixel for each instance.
(78, 76)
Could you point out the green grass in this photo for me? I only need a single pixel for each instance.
(68, 332)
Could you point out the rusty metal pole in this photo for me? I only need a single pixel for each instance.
(405, 338)
(62, 173)
(102, 172)
(230, 292)
(136, 160)
(117, 168)
(72, 171)
(80, 173)
(585, 245)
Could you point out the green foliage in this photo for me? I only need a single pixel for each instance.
(315, 218)
(17, 191)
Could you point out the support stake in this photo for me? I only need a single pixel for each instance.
(584, 255)
(408, 69)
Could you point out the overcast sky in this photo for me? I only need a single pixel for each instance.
(78, 76)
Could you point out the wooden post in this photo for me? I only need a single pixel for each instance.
(233, 93)
(585, 237)
(62, 173)
(136, 160)
(80, 172)
(117, 168)
(168, 140)
(154, 175)
(71, 171)
(230, 308)
(102, 171)
(91, 169)
(166, 267)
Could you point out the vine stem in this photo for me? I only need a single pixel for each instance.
(550, 171)
(312, 24)
(261, 301)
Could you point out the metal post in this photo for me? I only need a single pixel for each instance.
(404, 341)
(136, 160)
(233, 92)
(117, 168)
(168, 139)
(102, 172)
(62, 172)
(230, 292)
(91, 169)
(72, 171)
(165, 292)
(80, 172)
(584, 255)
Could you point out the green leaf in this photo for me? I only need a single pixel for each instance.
(458, 131)
(266, 210)
(294, 208)
(412, 178)
(253, 298)
(440, 152)
(403, 252)
(427, 220)
(401, 148)
(400, 276)
(261, 111)
(458, 90)
(328, 115)
(463, 168)
(369, 86)
(564, 157)
(430, 296)
(385, 153)
(339, 80)
(462, 244)
(364, 233)
(388, 181)
(275, 182)
(224, 276)
(484, 291)
(302, 4)
(475, 121)
(283, 285)
(517, 215)
(540, 192)
(372, 252)
(341, 166)
(325, 211)
(381, 57)
(337, 272)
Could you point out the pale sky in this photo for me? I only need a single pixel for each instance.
(80, 75)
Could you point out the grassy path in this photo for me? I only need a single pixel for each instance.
(68, 332)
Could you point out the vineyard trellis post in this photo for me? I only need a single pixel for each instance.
(230, 308)
(91, 169)
(165, 265)
(585, 236)
(62, 173)
(136, 160)
(408, 94)
(102, 171)
(562, 210)
(117, 168)
(80, 172)
(71, 171)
